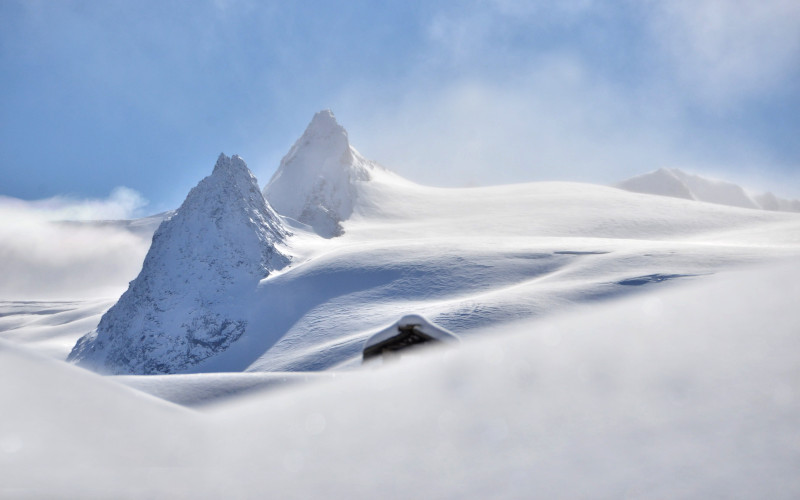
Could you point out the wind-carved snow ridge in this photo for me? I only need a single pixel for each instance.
(679, 184)
(316, 181)
(185, 305)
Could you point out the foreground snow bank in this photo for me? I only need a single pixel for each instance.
(69, 433)
(200, 389)
(690, 392)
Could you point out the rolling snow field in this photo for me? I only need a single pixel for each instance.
(614, 345)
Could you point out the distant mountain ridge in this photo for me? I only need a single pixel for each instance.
(185, 304)
(208, 298)
(679, 184)
(191, 299)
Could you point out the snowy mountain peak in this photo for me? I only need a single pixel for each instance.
(663, 182)
(324, 124)
(323, 139)
(230, 165)
(185, 305)
(679, 184)
(316, 180)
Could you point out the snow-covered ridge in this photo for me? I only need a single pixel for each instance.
(185, 304)
(208, 300)
(679, 184)
(316, 180)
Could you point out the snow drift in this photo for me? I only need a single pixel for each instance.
(684, 393)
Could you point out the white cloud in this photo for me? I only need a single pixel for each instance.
(714, 51)
(484, 30)
(123, 203)
(42, 259)
(724, 50)
(508, 111)
(552, 120)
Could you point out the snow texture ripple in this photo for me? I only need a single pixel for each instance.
(184, 306)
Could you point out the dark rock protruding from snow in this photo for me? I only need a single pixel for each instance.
(185, 305)
(408, 332)
(679, 184)
(316, 180)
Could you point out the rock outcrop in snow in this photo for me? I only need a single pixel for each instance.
(185, 305)
(679, 184)
(316, 181)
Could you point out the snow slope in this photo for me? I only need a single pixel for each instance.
(50, 327)
(688, 392)
(464, 258)
(471, 258)
(202, 389)
(185, 304)
(608, 352)
(677, 183)
(61, 425)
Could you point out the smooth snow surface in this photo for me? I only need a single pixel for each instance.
(679, 184)
(50, 328)
(686, 392)
(201, 389)
(185, 304)
(469, 259)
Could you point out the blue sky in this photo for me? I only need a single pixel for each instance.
(133, 101)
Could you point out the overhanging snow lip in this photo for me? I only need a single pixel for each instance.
(420, 324)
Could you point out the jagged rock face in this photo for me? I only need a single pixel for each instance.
(185, 305)
(316, 181)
